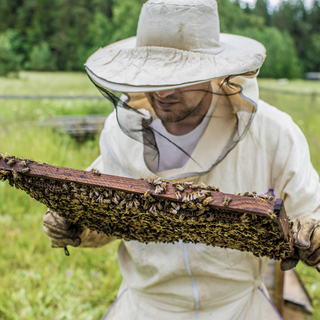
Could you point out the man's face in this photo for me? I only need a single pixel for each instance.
(178, 104)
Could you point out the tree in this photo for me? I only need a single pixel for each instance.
(292, 16)
(282, 60)
(261, 10)
(9, 61)
(313, 53)
(41, 58)
(314, 16)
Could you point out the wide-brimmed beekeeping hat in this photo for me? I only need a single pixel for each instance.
(178, 43)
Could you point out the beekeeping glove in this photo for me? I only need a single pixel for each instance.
(306, 242)
(62, 232)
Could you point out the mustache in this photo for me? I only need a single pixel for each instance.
(170, 98)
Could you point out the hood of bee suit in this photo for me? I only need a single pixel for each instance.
(178, 43)
(131, 122)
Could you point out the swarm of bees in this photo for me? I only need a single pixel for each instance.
(147, 218)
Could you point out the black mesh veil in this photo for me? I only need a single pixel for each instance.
(137, 123)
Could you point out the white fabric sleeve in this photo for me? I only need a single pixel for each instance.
(294, 178)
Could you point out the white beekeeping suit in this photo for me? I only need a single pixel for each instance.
(195, 281)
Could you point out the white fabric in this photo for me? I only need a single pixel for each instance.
(192, 26)
(273, 155)
(170, 156)
(178, 43)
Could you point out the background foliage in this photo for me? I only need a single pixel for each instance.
(61, 34)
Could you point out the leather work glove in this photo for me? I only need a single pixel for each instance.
(306, 242)
(62, 232)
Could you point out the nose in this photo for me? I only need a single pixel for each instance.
(165, 93)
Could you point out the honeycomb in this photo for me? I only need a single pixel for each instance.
(154, 210)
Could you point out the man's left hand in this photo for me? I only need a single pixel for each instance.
(306, 242)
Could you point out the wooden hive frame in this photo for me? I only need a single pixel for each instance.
(154, 210)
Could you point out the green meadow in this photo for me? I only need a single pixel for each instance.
(38, 282)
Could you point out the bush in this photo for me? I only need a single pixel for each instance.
(9, 60)
(282, 59)
(41, 58)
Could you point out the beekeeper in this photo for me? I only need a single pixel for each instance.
(191, 113)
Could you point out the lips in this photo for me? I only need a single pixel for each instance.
(165, 104)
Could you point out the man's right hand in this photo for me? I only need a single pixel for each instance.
(62, 232)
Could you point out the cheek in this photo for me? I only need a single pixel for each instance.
(191, 100)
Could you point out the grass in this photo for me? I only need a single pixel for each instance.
(296, 85)
(48, 83)
(38, 282)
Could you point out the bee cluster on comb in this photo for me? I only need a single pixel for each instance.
(154, 210)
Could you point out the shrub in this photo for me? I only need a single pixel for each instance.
(9, 60)
(41, 58)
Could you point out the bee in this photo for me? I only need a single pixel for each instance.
(159, 205)
(11, 162)
(136, 203)
(245, 194)
(65, 186)
(25, 170)
(91, 194)
(6, 157)
(194, 195)
(178, 195)
(164, 186)
(156, 181)
(122, 203)
(199, 206)
(207, 200)
(23, 163)
(271, 198)
(204, 186)
(96, 193)
(121, 194)
(192, 206)
(147, 194)
(158, 189)
(174, 205)
(115, 200)
(179, 187)
(205, 192)
(173, 211)
(4, 172)
(146, 205)
(226, 201)
(15, 175)
(186, 197)
(272, 214)
(187, 184)
(95, 172)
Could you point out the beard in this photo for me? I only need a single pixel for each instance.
(180, 110)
